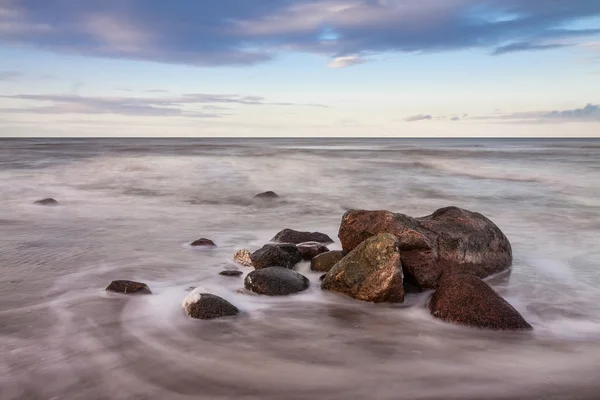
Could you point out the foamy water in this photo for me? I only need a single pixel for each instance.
(129, 209)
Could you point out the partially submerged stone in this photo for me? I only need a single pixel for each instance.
(207, 306)
(128, 287)
(467, 300)
(230, 272)
(275, 281)
(46, 202)
(371, 272)
(269, 195)
(325, 261)
(203, 242)
(296, 237)
(450, 241)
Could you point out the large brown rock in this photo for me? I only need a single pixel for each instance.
(325, 261)
(450, 241)
(275, 281)
(371, 272)
(467, 300)
(297, 237)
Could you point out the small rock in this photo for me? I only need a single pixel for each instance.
(204, 242)
(46, 202)
(322, 277)
(310, 250)
(275, 281)
(243, 257)
(128, 287)
(267, 195)
(325, 261)
(467, 300)
(271, 255)
(231, 273)
(207, 306)
(296, 237)
(371, 272)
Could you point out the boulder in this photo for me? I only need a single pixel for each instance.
(267, 195)
(128, 287)
(272, 255)
(230, 272)
(46, 202)
(204, 242)
(275, 281)
(310, 250)
(207, 306)
(371, 272)
(325, 261)
(292, 251)
(242, 257)
(467, 300)
(450, 241)
(296, 237)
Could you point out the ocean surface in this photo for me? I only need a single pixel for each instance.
(129, 209)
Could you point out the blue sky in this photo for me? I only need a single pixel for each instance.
(300, 68)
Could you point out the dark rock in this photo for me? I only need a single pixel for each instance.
(275, 281)
(230, 272)
(310, 250)
(322, 277)
(204, 242)
(292, 251)
(371, 272)
(467, 300)
(208, 306)
(325, 261)
(267, 195)
(272, 255)
(128, 287)
(450, 241)
(296, 237)
(46, 202)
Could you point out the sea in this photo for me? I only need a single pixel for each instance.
(129, 209)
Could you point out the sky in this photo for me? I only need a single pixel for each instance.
(317, 68)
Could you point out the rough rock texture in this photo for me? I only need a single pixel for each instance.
(46, 202)
(467, 300)
(230, 272)
(242, 257)
(267, 195)
(128, 287)
(273, 255)
(296, 237)
(207, 306)
(371, 272)
(448, 242)
(325, 261)
(292, 251)
(204, 242)
(310, 250)
(275, 281)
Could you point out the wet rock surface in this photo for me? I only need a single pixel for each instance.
(467, 300)
(269, 195)
(46, 202)
(203, 243)
(128, 287)
(275, 281)
(310, 250)
(207, 306)
(371, 272)
(297, 237)
(325, 261)
(231, 273)
(272, 255)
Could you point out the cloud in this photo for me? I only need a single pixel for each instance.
(186, 105)
(157, 91)
(526, 46)
(242, 32)
(588, 113)
(420, 117)
(9, 75)
(343, 62)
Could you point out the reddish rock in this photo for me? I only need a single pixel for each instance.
(467, 300)
(325, 261)
(448, 242)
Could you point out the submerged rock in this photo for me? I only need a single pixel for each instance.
(267, 195)
(371, 272)
(296, 237)
(46, 202)
(204, 242)
(310, 250)
(128, 287)
(230, 272)
(450, 241)
(325, 261)
(273, 255)
(207, 306)
(242, 257)
(275, 281)
(467, 300)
